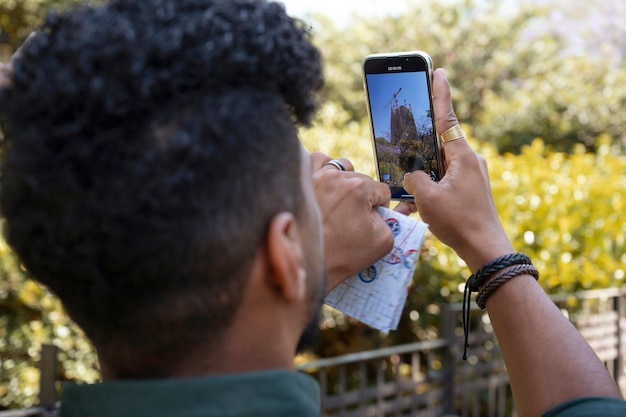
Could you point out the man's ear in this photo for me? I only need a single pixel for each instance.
(286, 257)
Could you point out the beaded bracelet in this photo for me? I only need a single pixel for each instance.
(476, 281)
(501, 278)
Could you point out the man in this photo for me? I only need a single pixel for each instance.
(169, 203)
(153, 179)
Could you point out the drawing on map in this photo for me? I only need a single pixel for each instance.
(394, 225)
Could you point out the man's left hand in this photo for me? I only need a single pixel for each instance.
(355, 235)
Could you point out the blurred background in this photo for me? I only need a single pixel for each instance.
(540, 89)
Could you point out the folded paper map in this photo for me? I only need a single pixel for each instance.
(376, 296)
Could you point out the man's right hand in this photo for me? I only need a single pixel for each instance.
(460, 209)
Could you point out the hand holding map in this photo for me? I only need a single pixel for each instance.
(376, 296)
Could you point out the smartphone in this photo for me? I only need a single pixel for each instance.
(398, 87)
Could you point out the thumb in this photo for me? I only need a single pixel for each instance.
(445, 117)
(418, 184)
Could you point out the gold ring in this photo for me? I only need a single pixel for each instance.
(454, 133)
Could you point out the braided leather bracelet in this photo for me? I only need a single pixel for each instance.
(501, 278)
(476, 281)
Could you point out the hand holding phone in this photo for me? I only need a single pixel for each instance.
(399, 97)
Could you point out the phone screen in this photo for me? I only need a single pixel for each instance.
(405, 139)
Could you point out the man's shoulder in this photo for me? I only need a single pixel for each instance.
(264, 393)
(589, 407)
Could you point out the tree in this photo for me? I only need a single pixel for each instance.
(29, 316)
(18, 18)
(513, 78)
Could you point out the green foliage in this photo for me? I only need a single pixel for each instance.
(572, 105)
(29, 316)
(566, 211)
(513, 78)
(18, 18)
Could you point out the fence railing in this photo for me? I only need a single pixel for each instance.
(430, 379)
(48, 405)
(427, 379)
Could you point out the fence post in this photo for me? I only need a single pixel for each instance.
(448, 326)
(618, 364)
(49, 374)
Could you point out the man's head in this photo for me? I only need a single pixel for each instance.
(149, 146)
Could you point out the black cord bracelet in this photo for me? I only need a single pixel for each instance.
(476, 281)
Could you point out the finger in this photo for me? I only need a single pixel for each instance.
(384, 235)
(380, 193)
(343, 162)
(406, 208)
(418, 183)
(318, 159)
(445, 117)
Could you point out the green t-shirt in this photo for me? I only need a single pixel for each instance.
(589, 407)
(275, 393)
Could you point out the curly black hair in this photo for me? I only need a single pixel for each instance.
(148, 143)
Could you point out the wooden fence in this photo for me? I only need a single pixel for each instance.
(427, 379)
(48, 405)
(430, 379)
